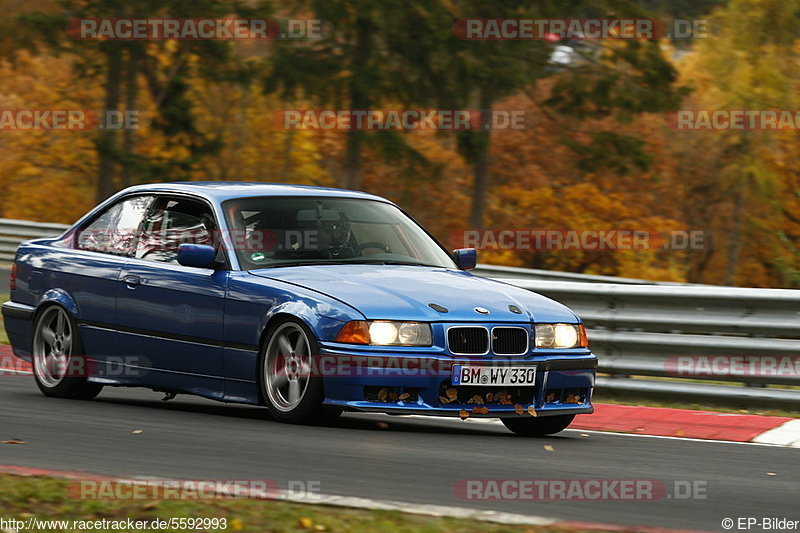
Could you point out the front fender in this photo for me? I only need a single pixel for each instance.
(324, 327)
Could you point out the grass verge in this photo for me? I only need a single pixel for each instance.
(3, 337)
(47, 499)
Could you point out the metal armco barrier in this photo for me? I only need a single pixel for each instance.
(507, 272)
(640, 328)
(644, 331)
(13, 232)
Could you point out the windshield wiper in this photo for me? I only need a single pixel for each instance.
(361, 262)
(303, 263)
(392, 262)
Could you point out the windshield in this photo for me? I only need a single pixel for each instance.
(285, 231)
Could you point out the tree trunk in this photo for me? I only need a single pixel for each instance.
(128, 134)
(352, 172)
(359, 100)
(106, 141)
(735, 243)
(480, 165)
(480, 173)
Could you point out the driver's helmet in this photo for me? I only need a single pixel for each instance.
(337, 230)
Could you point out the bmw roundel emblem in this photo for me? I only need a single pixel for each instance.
(482, 310)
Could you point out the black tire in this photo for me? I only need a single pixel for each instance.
(48, 381)
(306, 408)
(538, 427)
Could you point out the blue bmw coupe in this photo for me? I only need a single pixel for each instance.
(310, 301)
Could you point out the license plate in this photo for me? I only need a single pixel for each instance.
(484, 376)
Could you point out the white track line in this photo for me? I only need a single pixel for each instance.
(441, 511)
(421, 509)
(780, 438)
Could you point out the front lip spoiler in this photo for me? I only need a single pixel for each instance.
(450, 413)
(16, 310)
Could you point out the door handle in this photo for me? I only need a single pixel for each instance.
(132, 281)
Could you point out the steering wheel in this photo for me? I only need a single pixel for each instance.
(379, 245)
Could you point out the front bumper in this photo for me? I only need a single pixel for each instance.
(563, 385)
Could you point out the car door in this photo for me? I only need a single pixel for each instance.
(171, 315)
(91, 273)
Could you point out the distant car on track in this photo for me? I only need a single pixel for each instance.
(308, 300)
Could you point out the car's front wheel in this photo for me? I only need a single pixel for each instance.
(538, 427)
(59, 368)
(288, 385)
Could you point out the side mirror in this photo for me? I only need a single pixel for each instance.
(466, 258)
(196, 255)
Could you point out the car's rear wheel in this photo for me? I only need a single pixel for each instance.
(289, 387)
(538, 427)
(56, 347)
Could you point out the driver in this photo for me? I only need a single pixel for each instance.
(338, 236)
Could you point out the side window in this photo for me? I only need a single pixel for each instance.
(115, 230)
(172, 222)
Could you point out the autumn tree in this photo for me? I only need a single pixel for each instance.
(164, 67)
(750, 63)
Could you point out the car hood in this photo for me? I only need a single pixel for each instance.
(401, 292)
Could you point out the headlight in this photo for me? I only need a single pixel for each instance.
(386, 333)
(560, 336)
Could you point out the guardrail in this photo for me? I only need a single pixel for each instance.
(13, 232)
(639, 328)
(643, 332)
(507, 272)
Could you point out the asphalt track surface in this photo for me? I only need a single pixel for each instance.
(388, 458)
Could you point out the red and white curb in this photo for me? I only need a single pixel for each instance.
(677, 423)
(440, 511)
(629, 419)
(11, 365)
(787, 434)
(691, 424)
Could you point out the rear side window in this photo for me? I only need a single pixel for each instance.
(116, 229)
